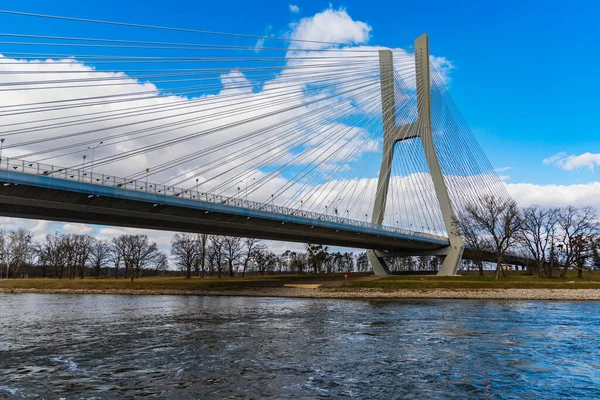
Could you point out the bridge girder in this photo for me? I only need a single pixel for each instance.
(39, 197)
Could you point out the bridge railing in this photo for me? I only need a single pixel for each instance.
(81, 175)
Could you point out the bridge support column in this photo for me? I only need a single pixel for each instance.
(422, 128)
(377, 263)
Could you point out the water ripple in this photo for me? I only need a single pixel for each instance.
(101, 347)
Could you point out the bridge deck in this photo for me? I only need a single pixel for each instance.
(44, 197)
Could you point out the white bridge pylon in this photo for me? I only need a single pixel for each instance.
(393, 134)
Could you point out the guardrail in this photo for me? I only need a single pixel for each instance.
(80, 175)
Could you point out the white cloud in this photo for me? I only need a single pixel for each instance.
(162, 238)
(41, 226)
(503, 177)
(331, 25)
(443, 66)
(79, 229)
(260, 43)
(554, 158)
(572, 162)
(38, 228)
(294, 8)
(112, 232)
(556, 195)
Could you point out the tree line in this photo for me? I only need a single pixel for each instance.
(73, 256)
(549, 240)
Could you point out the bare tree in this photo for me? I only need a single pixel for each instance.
(100, 253)
(203, 239)
(45, 254)
(19, 250)
(232, 252)
(67, 246)
(54, 252)
(317, 254)
(82, 245)
(76, 251)
(211, 258)
(434, 263)
(329, 263)
(477, 242)
(404, 263)
(288, 256)
(136, 252)
(215, 255)
(250, 246)
(115, 257)
(4, 253)
(583, 247)
(537, 233)
(422, 263)
(299, 263)
(500, 220)
(596, 253)
(185, 249)
(42, 257)
(161, 265)
(362, 262)
(265, 260)
(347, 262)
(578, 228)
(120, 247)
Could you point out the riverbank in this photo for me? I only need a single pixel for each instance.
(344, 293)
(319, 286)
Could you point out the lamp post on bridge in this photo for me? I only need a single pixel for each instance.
(331, 203)
(392, 218)
(335, 208)
(245, 182)
(83, 166)
(93, 148)
(1, 146)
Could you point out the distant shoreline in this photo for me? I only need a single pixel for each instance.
(344, 293)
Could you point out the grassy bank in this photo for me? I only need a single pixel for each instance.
(515, 280)
(591, 280)
(171, 282)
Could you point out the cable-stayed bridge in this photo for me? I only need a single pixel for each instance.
(286, 139)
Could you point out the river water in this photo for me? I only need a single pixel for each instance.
(177, 347)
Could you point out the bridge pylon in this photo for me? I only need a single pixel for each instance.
(393, 134)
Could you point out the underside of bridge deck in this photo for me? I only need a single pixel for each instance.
(48, 199)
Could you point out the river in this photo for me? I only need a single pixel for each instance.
(177, 347)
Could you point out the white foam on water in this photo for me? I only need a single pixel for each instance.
(71, 365)
(12, 391)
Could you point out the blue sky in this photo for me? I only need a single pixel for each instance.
(524, 77)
